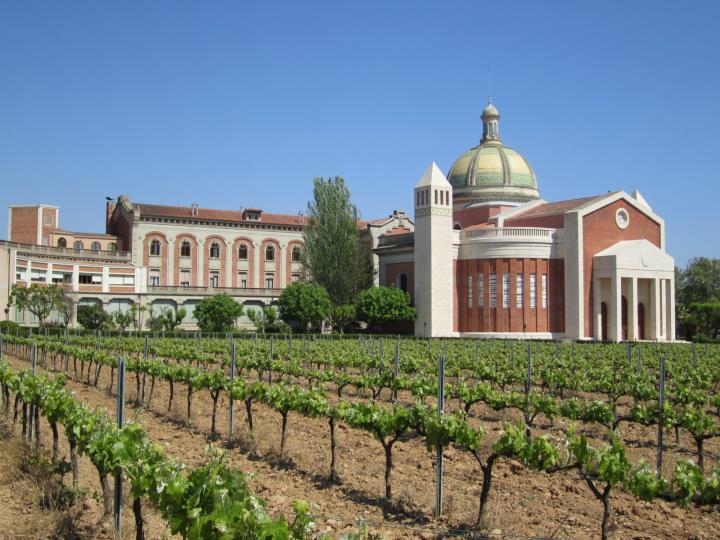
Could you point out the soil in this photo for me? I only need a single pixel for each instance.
(522, 503)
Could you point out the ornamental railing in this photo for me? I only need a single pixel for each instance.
(538, 233)
(232, 291)
(70, 253)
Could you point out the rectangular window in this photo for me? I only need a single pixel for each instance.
(442, 197)
(48, 219)
(544, 291)
(184, 278)
(436, 201)
(122, 279)
(37, 275)
(269, 281)
(214, 279)
(493, 290)
(417, 199)
(519, 291)
(85, 279)
(20, 274)
(533, 291)
(481, 290)
(294, 278)
(469, 291)
(242, 280)
(154, 278)
(506, 290)
(447, 198)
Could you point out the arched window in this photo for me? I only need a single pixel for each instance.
(270, 253)
(296, 254)
(77, 244)
(155, 247)
(95, 246)
(112, 246)
(62, 243)
(214, 250)
(457, 227)
(243, 252)
(185, 249)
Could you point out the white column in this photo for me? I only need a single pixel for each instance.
(170, 276)
(633, 310)
(255, 278)
(105, 279)
(597, 309)
(661, 311)
(655, 309)
(615, 322)
(76, 277)
(48, 274)
(670, 310)
(28, 271)
(201, 263)
(228, 263)
(280, 267)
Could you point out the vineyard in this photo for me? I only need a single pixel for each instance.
(574, 440)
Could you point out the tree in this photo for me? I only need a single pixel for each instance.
(304, 304)
(698, 283)
(92, 317)
(383, 306)
(703, 320)
(263, 319)
(334, 255)
(341, 316)
(138, 314)
(40, 301)
(155, 320)
(172, 318)
(122, 320)
(217, 313)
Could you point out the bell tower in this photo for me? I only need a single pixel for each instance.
(433, 254)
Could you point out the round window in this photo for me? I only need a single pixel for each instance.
(622, 218)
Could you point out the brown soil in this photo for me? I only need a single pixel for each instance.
(522, 503)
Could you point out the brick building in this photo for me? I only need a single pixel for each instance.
(489, 257)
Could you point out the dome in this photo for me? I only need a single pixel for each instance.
(492, 171)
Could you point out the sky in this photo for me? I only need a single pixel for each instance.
(242, 104)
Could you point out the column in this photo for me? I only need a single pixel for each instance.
(228, 271)
(201, 263)
(633, 310)
(170, 263)
(655, 309)
(670, 310)
(255, 277)
(597, 310)
(105, 279)
(615, 322)
(48, 274)
(76, 277)
(280, 267)
(661, 310)
(28, 272)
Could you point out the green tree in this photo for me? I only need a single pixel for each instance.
(172, 318)
(334, 254)
(93, 317)
(698, 283)
(341, 316)
(304, 304)
(217, 313)
(385, 306)
(155, 320)
(122, 320)
(138, 314)
(263, 319)
(40, 301)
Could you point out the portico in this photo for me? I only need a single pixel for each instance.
(633, 293)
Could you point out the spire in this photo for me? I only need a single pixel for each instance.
(491, 120)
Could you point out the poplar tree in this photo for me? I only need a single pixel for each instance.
(334, 254)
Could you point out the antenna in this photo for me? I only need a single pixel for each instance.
(489, 81)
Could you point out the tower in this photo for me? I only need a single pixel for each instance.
(433, 254)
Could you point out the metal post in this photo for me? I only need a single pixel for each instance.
(439, 464)
(528, 385)
(396, 370)
(120, 422)
(231, 401)
(33, 356)
(628, 347)
(694, 355)
(661, 406)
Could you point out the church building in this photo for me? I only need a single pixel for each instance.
(488, 257)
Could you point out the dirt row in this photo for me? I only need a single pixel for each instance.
(522, 503)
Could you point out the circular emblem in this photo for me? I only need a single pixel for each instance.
(622, 218)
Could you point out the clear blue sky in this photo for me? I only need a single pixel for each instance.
(237, 104)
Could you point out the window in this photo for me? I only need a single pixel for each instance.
(48, 219)
(154, 277)
(243, 252)
(184, 278)
(61, 243)
(37, 275)
(155, 247)
(294, 278)
(270, 253)
(296, 254)
(20, 274)
(185, 249)
(469, 291)
(447, 198)
(61, 277)
(493, 290)
(214, 279)
(519, 291)
(77, 244)
(533, 291)
(506, 290)
(481, 290)
(121, 279)
(112, 246)
(442, 197)
(95, 246)
(214, 250)
(544, 291)
(436, 200)
(90, 279)
(269, 281)
(242, 280)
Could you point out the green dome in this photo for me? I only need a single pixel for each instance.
(492, 171)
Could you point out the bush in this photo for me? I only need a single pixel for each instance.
(385, 306)
(304, 304)
(9, 327)
(703, 320)
(93, 317)
(217, 313)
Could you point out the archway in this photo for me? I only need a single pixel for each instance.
(603, 321)
(641, 321)
(624, 318)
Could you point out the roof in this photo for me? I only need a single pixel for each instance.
(159, 210)
(397, 230)
(480, 226)
(58, 230)
(558, 207)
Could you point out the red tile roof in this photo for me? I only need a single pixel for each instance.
(480, 226)
(558, 207)
(158, 210)
(397, 230)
